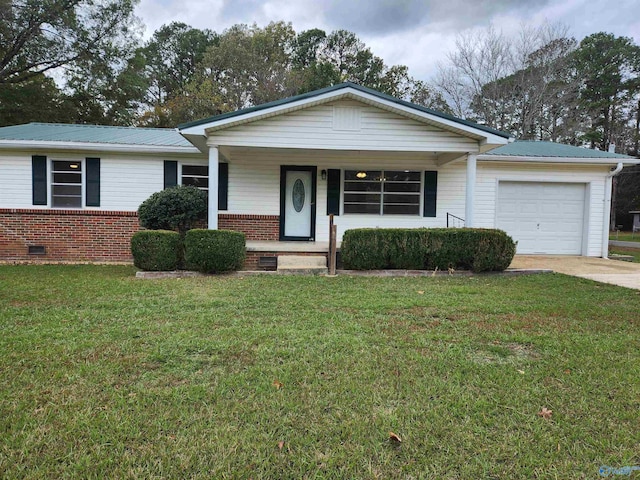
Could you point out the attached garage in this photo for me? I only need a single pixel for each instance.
(545, 218)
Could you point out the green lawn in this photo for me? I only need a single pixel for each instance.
(106, 376)
(625, 236)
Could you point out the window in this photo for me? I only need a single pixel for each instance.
(382, 192)
(66, 184)
(196, 175)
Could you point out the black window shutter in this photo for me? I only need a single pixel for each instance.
(92, 196)
(430, 193)
(170, 173)
(223, 185)
(333, 192)
(39, 179)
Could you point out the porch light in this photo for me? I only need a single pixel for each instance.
(361, 175)
(323, 174)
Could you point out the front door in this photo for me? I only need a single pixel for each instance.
(297, 203)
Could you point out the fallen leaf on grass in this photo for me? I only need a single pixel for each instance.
(567, 371)
(280, 445)
(394, 437)
(278, 384)
(420, 292)
(545, 413)
(521, 372)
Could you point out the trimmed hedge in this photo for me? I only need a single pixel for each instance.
(214, 251)
(156, 250)
(474, 249)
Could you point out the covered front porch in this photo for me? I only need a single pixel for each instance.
(368, 159)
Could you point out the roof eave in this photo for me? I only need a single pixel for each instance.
(95, 147)
(584, 160)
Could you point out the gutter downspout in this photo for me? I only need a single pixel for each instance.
(607, 208)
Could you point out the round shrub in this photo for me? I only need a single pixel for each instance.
(214, 251)
(155, 250)
(474, 249)
(176, 208)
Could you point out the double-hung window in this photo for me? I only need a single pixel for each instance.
(196, 175)
(382, 192)
(66, 184)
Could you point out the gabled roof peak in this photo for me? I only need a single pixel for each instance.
(357, 90)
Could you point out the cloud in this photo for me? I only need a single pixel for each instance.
(416, 33)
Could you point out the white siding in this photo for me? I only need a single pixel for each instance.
(254, 186)
(489, 174)
(364, 128)
(125, 180)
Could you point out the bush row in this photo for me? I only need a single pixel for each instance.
(427, 248)
(206, 251)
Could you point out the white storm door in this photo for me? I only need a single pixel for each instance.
(298, 204)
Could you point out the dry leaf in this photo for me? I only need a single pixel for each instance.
(567, 371)
(280, 445)
(545, 413)
(278, 384)
(521, 372)
(420, 292)
(394, 437)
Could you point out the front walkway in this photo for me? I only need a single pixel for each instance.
(616, 272)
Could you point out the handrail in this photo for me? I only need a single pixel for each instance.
(456, 222)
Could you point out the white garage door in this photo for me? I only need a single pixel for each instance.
(542, 217)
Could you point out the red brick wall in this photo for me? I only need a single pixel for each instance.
(68, 235)
(255, 227)
(104, 236)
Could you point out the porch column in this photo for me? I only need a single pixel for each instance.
(470, 191)
(213, 188)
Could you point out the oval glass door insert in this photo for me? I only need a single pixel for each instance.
(297, 195)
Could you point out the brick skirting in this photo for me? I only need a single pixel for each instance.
(67, 235)
(103, 236)
(255, 227)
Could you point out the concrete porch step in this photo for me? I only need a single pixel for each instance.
(302, 264)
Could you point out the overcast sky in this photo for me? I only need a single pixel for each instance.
(416, 33)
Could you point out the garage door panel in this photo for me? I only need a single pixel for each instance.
(542, 217)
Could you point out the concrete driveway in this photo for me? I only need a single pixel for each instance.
(616, 272)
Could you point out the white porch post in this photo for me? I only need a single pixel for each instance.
(213, 188)
(470, 191)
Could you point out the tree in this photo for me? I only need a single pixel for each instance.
(35, 100)
(609, 67)
(171, 59)
(37, 36)
(246, 66)
(513, 84)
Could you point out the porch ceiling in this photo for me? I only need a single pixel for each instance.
(440, 158)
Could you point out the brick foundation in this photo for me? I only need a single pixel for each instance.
(67, 235)
(255, 227)
(105, 236)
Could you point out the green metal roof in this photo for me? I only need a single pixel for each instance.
(530, 148)
(334, 88)
(60, 132)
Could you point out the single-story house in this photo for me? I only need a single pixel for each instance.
(277, 171)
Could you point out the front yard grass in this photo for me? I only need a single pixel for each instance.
(634, 252)
(625, 236)
(103, 375)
